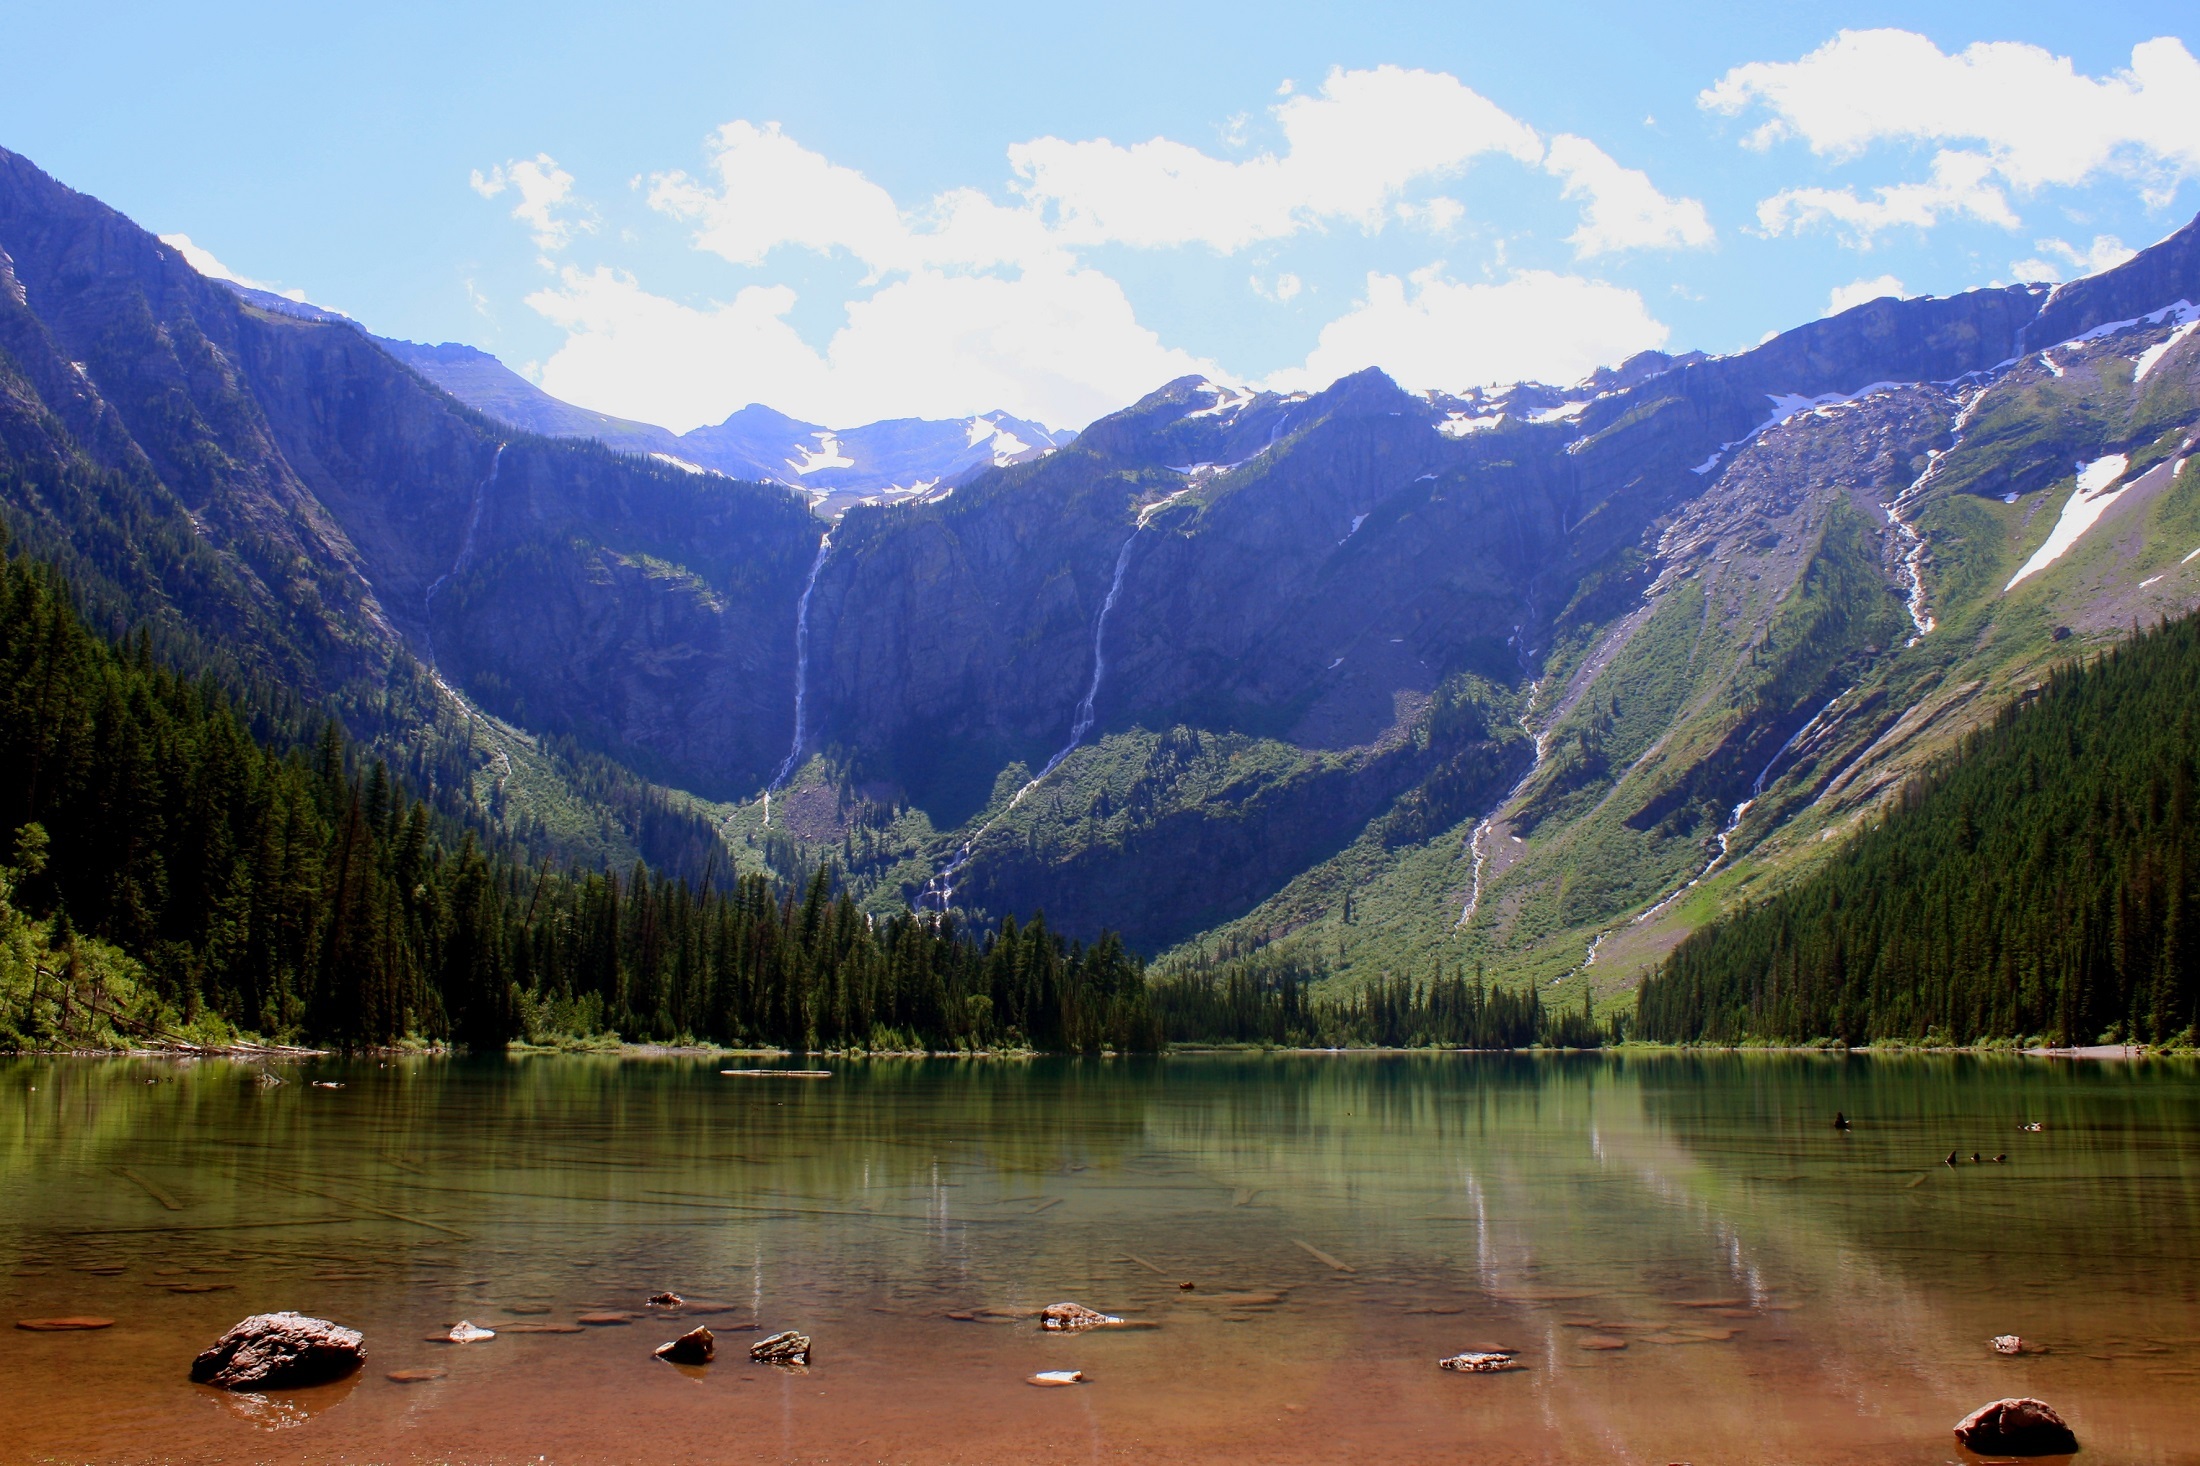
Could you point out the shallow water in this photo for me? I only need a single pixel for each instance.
(1346, 1221)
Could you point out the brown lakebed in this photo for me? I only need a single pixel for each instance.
(1783, 1291)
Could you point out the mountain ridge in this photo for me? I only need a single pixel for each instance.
(878, 463)
(1370, 681)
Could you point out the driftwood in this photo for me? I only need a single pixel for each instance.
(1322, 1257)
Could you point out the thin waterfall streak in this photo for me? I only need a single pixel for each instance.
(1740, 811)
(941, 888)
(801, 675)
(1482, 829)
(465, 552)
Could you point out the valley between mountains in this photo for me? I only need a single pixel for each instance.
(1357, 684)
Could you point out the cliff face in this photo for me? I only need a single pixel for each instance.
(285, 487)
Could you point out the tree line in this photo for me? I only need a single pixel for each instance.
(2037, 884)
(1269, 997)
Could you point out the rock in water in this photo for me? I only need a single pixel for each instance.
(696, 1346)
(2024, 1427)
(1048, 1379)
(786, 1347)
(666, 1300)
(1068, 1318)
(2008, 1344)
(466, 1331)
(76, 1324)
(1479, 1363)
(271, 1350)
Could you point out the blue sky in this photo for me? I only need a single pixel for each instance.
(851, 212)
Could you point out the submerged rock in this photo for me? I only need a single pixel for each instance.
(415, 1376)
(1479, 1363)
(2022, 1427)
(1069, 1318)
(696, 1346)
(75, 1324)
(785, 1347)
(277, 1349)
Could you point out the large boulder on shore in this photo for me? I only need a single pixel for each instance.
(2023, 1427)
(275, 1350)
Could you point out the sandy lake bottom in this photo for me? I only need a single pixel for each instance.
(1689, 1261)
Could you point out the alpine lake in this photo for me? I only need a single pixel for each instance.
(1689, 1261)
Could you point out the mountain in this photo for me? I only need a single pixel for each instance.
(879, 463)
(1536, 679)
(269, 491)
(1357, 684)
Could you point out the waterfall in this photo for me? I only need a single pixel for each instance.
(1082, 724)
(801, 676)
(939, 892)
(1734, 818)
(465, 553)
(1482, 828)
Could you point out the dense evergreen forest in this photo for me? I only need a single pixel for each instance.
(2039, 884)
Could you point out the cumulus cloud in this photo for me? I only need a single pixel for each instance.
(974, 300)
(1351, 151)
(2069, 262)
(2001, 114)
(1428, 331)
(1621, 208)
(203, 261)
(544, 200)
(1960, 185)
(1856, 292)
(1059, 345)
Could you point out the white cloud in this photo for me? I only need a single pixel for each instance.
(2011, 113)
(1351, 153)
(203, 261)
(544, 191)
(2105, 253)
(974, 301)
(1959, 186)
(1622, 209)
(1433, 332)
(1059, 345)
(1856, 292)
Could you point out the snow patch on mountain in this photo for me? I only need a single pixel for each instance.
(2095, 494)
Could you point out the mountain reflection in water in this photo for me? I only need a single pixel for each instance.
(1689, 1259)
